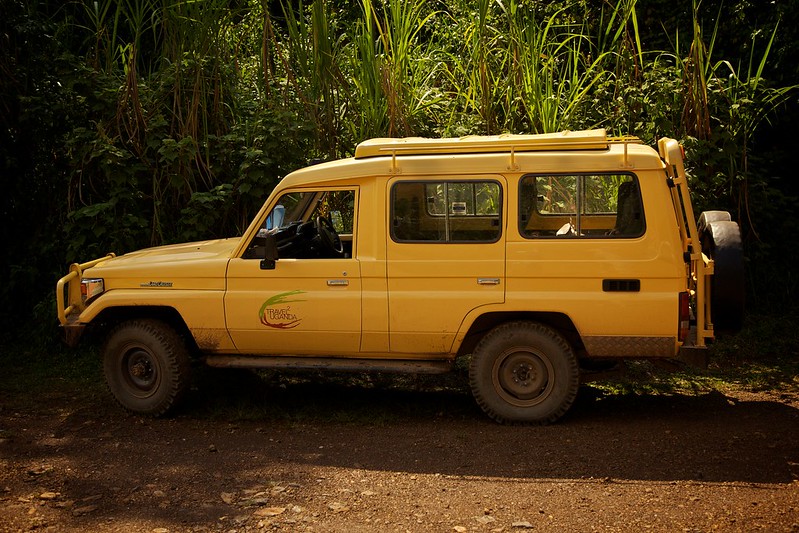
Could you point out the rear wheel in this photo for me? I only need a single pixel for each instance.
(721, 242)
(146, 365)
(524, 372)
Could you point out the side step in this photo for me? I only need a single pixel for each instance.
(339, 364)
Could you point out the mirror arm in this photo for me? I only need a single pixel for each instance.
(270, 252)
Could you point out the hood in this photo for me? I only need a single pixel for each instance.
(189, 265)
(176, 253)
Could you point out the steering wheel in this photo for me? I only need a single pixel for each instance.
(328, 236)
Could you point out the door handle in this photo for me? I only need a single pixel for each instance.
(338, 282)
(488, 281)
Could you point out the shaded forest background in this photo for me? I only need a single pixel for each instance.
(131, 123)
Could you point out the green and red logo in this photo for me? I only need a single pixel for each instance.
(274, 313)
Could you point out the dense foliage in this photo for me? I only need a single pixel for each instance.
(125, 124)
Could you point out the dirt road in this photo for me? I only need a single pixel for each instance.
(330, 457)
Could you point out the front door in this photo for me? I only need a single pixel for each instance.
(310, 302)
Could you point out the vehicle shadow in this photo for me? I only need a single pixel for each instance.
(434, 426)
(242, 430)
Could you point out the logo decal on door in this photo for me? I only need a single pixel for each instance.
(274, 313)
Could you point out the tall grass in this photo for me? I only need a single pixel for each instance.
(723, 106)
(393, 71)
(311, 55)
(101, 23)
(471, 69)
(400, 68)
(522, 70)
(551, 71)
(189, 73)
(697, 70)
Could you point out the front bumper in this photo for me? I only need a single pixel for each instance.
(67, 292)
(72, 333)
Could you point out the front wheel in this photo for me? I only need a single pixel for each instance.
(146, 365)
(524, 372)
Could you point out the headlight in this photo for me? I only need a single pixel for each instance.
(91, 287)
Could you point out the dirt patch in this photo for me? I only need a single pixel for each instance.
(330, 457)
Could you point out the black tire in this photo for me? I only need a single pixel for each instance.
(706, 217)
(146, 365)
(524, 372)
(721, 241)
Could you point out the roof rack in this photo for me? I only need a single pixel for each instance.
(625, 139)
(562, 141)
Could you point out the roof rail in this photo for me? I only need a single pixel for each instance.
(562, 141)
(625, 139)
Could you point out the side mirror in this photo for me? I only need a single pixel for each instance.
(270, 252)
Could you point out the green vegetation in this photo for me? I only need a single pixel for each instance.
(763, 357)
(125, 124)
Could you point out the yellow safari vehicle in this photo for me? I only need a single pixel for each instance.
(534, 255)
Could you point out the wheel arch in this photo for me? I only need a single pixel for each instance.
(488, 321)
(110, 317)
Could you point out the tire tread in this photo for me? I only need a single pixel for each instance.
(177, 366)
(505, 331)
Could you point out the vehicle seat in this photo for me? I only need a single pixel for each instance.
(630, 213)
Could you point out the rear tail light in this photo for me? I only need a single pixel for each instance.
(685, 316)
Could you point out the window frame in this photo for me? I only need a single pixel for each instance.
(447, 215)
(580, 203)
(303, 213)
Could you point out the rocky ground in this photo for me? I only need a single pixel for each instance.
(336, 457)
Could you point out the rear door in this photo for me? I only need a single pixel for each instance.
(445, 255)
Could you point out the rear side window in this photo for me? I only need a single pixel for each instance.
(446, 211)
(581, 206)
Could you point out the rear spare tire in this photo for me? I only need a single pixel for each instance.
(706, 217)
(721, 242)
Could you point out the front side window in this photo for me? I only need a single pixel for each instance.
(581, 205)
(446, 211)
(310, 224)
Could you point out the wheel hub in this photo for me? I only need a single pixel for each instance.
(522, 376)
(140, 370)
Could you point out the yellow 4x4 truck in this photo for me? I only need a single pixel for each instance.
(534, 255)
